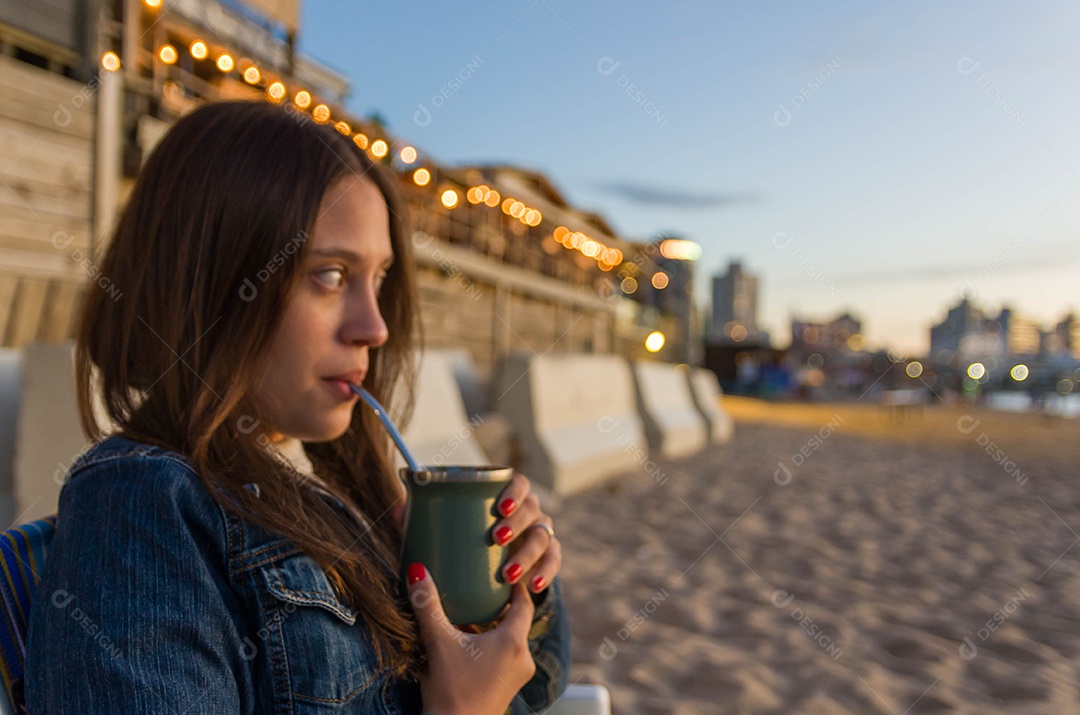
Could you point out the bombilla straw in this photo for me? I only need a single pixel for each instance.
(388, 423)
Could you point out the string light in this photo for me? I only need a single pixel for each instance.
(110, 61)
(276, 92)
(153, 4)
(606, 258)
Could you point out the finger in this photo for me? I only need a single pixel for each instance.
(518, 620)
(513, 495)
(513, 526)
(532, 545)
(426, 604)
(546, 569)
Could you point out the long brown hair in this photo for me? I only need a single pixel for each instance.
(206, 255)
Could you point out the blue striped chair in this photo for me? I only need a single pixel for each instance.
(22, 555)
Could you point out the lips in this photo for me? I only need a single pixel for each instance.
(357, 377)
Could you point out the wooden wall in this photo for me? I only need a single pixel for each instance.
(46, 170)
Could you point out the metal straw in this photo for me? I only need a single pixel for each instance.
(388, 423)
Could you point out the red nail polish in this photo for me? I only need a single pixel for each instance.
(538, 584)
(503, 534)
(513, 572)
(506, 506)
(415, 573)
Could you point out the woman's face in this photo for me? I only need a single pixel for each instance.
(331, 320)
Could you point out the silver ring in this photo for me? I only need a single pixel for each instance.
(546, 527)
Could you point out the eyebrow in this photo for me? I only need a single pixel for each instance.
(347, 255)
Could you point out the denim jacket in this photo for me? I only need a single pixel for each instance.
(154, 599)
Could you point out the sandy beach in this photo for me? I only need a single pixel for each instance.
(836, 559)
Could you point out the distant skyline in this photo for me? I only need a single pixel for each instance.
(880, 158)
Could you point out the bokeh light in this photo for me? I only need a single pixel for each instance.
(1019, 372)
(976, 370)
(655, 341)
(110, 61)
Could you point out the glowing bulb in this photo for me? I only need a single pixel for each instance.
(655, 341)
(507, 204)
(474, 195)
(421, 177)
(153, 4)
(533, 217)
(976, 370)
(225, 62)
(1020, 372)
(303, 99)
(379, 148)
(408, 155)
(110, 61)
(168, 54)
(560, 233)
(276, 92)
(251, 75)
(321, 114)
(449, 198)
(361, 141)
(492, 199)
(198, 50)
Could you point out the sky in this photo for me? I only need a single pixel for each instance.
(879, 157)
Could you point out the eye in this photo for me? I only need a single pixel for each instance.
(332, 277)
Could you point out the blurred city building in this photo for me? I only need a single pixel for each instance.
(968, 332)
(736, 348)
(670, 294)
(734, 317)
(88, 88)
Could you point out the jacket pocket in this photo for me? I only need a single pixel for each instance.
(323, 650)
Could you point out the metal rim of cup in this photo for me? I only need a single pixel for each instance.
(456, 473)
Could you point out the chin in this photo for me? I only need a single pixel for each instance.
(330, 431)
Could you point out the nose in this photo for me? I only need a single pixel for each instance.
(364, 324)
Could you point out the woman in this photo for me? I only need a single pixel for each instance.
(233, 547)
